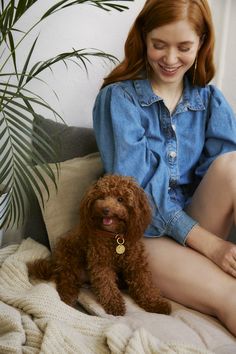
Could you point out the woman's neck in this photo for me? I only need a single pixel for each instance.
(170, 93)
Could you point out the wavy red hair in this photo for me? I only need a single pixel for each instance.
(156, 13)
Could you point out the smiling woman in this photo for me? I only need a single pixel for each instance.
(158, 118)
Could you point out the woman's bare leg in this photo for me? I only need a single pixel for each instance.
(191, 279)
(214, 202)
(184, 274)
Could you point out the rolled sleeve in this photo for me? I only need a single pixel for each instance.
(179, 226)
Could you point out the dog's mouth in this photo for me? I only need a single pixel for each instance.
(112, 224)
(107, 221)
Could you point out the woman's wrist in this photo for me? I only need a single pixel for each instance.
(203, 241)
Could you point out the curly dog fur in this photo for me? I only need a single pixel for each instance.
(115, 210)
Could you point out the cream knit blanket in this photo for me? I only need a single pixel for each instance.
(33, 319)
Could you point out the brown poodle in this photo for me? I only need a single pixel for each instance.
(107, 244)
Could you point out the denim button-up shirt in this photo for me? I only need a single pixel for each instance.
(167, 153)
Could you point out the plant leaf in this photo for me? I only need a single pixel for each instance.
(22, 76)
(106, 5)
(82, 55)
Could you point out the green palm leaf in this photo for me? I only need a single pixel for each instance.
(82, 55)
(102, 4)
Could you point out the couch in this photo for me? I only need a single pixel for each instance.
(33, 319)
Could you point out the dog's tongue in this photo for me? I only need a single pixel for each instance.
(107, 221)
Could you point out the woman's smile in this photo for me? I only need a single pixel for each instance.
(169, 71)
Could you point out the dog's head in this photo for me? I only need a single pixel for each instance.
(116, 204)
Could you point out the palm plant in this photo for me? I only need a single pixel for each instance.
(19, 178)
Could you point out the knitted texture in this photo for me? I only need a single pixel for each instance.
(33, 319)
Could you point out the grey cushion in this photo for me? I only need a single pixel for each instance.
(70, 142)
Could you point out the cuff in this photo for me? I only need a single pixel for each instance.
(179, 226)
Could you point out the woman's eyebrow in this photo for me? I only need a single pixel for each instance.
(180, 43)
(187, 42)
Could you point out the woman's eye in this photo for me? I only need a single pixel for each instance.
(120, 199)
(184, 49)
(159, 46)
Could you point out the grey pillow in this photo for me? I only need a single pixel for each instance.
(70, 141)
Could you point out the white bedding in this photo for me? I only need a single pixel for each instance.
(33, 319)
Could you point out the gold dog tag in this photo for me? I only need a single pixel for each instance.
(120, 249)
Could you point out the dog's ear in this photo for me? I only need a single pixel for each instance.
(86, 206)
(141, 213)
(145, 206)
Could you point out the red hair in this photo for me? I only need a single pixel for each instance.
(156, 13)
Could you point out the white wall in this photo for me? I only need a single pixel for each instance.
(85, 26)
(227, 50)
(82, 26)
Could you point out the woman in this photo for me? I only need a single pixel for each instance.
(158, 119)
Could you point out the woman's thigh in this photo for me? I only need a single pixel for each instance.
(213, 201)
(189, 278)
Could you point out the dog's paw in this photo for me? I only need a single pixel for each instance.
(115, 308)
(71, 301)
(156, 305)
(164, 306)
(69, 297)
(161, 306)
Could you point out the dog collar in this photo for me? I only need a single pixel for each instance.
(120, 240)
(120, 248)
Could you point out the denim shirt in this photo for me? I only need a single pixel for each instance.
(168, 154)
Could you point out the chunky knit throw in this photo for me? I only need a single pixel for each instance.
(33, 319)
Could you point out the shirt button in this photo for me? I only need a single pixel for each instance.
(172, 183)
(172, 154)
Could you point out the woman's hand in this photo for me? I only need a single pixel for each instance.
(225, 256)
(219, 251)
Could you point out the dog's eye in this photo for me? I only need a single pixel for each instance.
(120, 199)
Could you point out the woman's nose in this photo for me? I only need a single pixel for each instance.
(170, 57)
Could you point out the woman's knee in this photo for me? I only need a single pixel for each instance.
(225, 163)
(226, 306)
(224, 169)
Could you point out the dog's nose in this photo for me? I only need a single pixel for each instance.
(106, 211)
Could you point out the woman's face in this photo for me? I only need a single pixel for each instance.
(171, 51)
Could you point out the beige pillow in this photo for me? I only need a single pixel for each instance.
(60, 211)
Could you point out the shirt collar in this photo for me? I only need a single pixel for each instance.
(191, 98)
